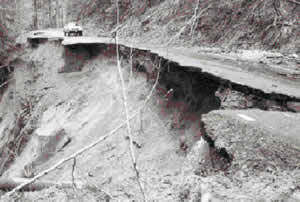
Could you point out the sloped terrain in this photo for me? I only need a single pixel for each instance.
(66, 104)
(231, 24)
(86, 105)
(195, 140)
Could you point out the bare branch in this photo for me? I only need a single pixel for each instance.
(10, 183)
(195, 20)
(188, 23)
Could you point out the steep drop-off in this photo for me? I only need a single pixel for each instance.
(65, 98)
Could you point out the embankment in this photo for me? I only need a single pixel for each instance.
(68, 96)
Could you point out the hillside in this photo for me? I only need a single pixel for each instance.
(184, 100)
(232, 24)
(270, 24)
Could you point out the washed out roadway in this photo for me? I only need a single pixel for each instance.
(285, 125)
(185, 58)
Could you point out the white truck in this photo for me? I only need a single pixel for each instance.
(72, 28)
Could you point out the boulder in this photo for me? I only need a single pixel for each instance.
(46, 145)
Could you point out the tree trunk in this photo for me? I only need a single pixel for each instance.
(35, 17)
(9, 184)
(57, 16)
(50, 14)
(63, 11)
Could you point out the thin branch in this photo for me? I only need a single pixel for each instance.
(150, 94)
(188, 23)
(154, 86)
(133, 158)
(130, 66)
(195, 20)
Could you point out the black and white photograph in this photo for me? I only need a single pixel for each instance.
(150, 100)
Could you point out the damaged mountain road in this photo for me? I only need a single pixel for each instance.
(209, 119)
(218, 66)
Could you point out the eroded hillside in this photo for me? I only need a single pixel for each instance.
(196, 135)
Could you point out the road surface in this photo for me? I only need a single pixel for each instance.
(282, 125)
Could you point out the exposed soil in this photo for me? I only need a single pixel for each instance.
(196, 139)
(82, 101)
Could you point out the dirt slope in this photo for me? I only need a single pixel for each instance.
(66, 108)
(75, 108)
(86, 105)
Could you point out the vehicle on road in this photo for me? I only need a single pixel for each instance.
(73, 28)
(38, 33)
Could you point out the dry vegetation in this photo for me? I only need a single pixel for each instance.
(270, 24)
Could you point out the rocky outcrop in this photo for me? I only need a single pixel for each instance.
(265, 158)
(254, 146)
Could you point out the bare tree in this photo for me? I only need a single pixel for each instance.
(49, 13)
(57, 13)
(63, 12)
(35, 17)
(17, 16)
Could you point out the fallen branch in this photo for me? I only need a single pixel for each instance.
(12, 183)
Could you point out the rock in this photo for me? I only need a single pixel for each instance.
(46, 145)
(167, 181)
(249, 144)
(231, 99)
(294, 106)
(209, 196)
(91, 174)
(265, 158)
(296, 196)
(199, 152)
(198, 159)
